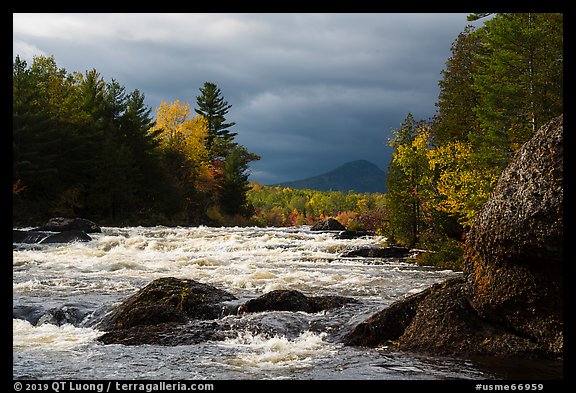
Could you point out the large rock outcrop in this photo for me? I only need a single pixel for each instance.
(510, 299)
(514, 254)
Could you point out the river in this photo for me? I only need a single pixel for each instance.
(90, 277)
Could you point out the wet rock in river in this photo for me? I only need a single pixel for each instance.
(61, 224)
(292, 300)
(440, 320)
(350, 234)
(29, 237)
(32, 237)
(372, 252)
(171, 311)
(67, 237)
(167, 334)
(165, 300)
(328, 224)
(386, 325)
(61, 316)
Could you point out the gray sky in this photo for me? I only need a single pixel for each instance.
(309, 92)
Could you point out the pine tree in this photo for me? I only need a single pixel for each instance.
(519, 81)
(234, 185)
(212, 106)
(457, 100)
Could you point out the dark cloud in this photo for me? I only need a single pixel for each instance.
(309, 91)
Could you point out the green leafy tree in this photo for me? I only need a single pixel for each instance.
(409, 181)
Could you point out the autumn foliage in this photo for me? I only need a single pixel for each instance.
(278, 206)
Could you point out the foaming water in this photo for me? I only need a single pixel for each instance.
(88, 278)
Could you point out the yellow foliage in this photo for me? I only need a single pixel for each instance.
(180, 133)
(170, 118)
(463, 186)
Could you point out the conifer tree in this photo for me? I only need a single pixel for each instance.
(212, 106)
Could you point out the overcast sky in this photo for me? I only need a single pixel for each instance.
(309, 92)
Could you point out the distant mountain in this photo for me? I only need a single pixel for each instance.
(358, 176)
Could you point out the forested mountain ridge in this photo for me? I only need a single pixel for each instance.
(360, 176)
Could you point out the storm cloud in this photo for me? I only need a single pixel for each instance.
(309, 92)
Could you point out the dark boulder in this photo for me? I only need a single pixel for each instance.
(292, 300)
(349, 234)
(327, 302)
(34, 236)
(440, 321)
(61, 316)
(67, 237)
(510, 300)
(386, 325)
(278, 300)
(168, 334)
(371, 252)
(29, 237)
(328, 224)
(28, 313)
(61, 224)
(166, 300)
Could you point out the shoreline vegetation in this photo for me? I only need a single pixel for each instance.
(85, 147)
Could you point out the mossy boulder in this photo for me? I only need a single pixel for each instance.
(165, 300)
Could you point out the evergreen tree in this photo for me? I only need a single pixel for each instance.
(457, 100)
(518, 80)
(234, 185)
(50, 151)
(212, 106)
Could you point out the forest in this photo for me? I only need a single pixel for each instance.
(86, 147)
(503, 81)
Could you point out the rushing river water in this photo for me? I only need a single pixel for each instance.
(90, 277)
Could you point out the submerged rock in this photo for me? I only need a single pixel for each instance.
(35, 237)
(292, 300)
(67, 237)
(349, 234)
(29, 237)
(61, 224)
(62, 316)
(371, 252)
(510, 300)
(167, 334)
